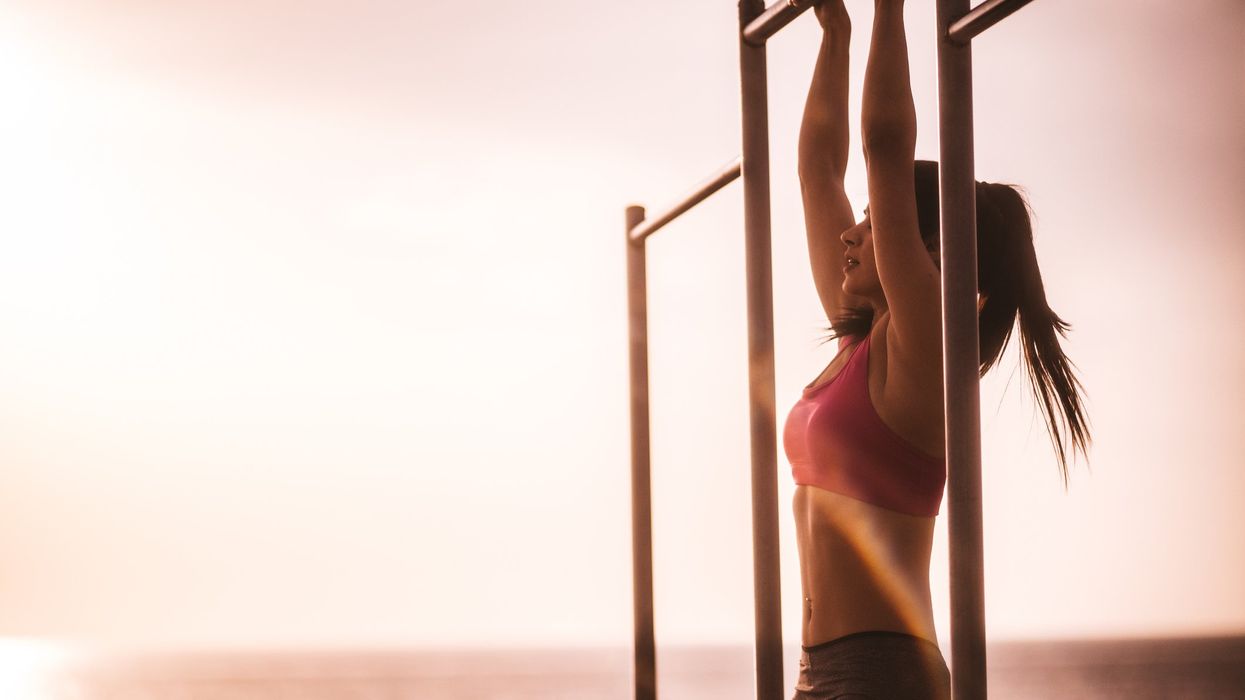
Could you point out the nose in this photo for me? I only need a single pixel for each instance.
(848, 238)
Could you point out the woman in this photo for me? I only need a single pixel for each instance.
(866, 440)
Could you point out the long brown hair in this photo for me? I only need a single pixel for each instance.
(1010, 282)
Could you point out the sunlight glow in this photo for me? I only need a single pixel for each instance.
(26, 667)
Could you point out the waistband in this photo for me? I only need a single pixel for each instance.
(870, 633)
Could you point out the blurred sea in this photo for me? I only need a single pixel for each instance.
(1138, 669)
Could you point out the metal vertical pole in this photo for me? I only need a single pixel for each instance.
(641, 496)
(761, 400)
(961, 357)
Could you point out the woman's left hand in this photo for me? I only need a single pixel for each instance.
(832, 15)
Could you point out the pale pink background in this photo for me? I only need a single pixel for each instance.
(314, 318)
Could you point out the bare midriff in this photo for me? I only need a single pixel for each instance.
(862, 567)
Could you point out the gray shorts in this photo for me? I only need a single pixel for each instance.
(873, 665)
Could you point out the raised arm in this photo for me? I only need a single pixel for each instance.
(823, 149)
(888, 117)
(910, 280)
(824, 139)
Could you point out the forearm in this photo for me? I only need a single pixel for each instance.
(824, 137)
(888, 117)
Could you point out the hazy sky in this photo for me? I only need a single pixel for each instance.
(315, 317)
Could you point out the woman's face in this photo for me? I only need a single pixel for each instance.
(862, 279)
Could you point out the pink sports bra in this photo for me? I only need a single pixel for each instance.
(835, 440)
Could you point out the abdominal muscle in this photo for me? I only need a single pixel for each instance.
(862, 567)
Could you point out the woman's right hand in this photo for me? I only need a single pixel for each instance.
(832, 15)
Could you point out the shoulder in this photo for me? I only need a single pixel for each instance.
(849, 340)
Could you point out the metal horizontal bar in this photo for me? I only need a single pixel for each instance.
(774, 17)
(981, 18)
(700, 194)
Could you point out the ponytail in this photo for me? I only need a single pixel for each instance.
(1018, 291)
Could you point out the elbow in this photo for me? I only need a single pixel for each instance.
(819, 174)
(818, 164)
(889, 140)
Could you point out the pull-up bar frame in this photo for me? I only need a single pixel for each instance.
(957, 25)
